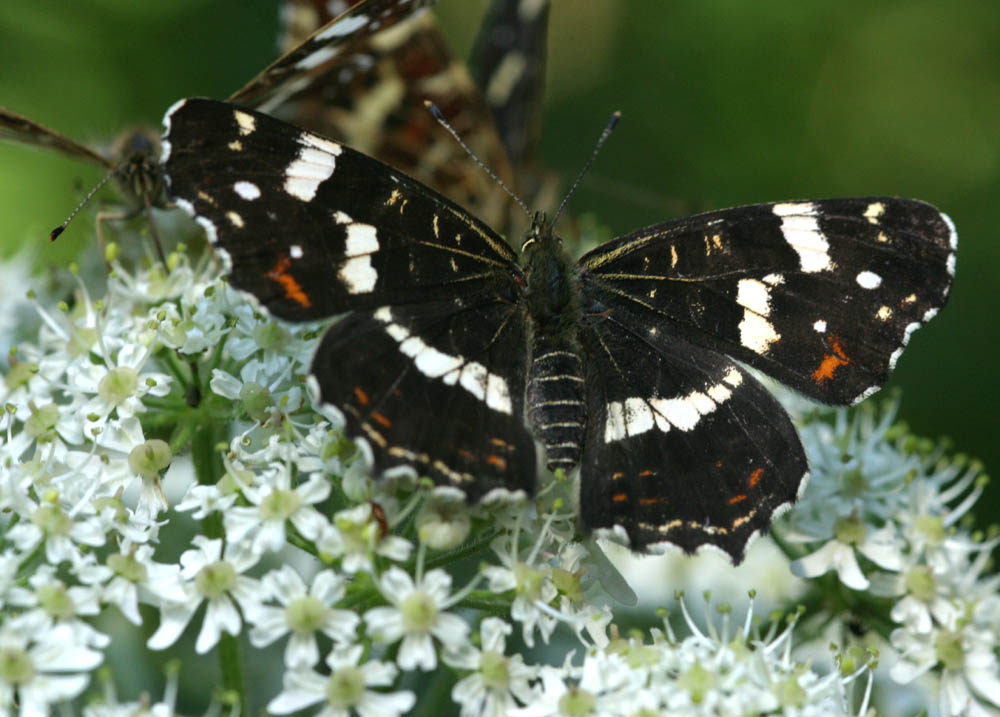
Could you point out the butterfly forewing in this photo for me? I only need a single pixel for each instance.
(313, 228)
(18, 128)
(682, 445)
(436, 387)
(822, 295)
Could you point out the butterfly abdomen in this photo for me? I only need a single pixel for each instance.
(555, 399)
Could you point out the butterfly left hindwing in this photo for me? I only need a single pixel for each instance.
(435, 387)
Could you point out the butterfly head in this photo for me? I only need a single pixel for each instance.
(138, 172)
(539, 235)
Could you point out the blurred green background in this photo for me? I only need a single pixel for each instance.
(723, 103)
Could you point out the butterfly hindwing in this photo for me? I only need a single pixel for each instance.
(822, 295)
(313, 228)
(682, 444)
(436, 387)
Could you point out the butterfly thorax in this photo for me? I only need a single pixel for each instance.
(555, 388)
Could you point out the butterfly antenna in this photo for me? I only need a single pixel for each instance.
(433, 108)
(62, 227)
(593, 155)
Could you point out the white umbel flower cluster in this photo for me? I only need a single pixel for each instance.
(164, 472)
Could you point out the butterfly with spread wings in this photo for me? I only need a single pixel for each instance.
(455, 356)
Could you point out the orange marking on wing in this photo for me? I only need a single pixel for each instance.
(619, 497)
(382, 420)
(754, 478)
(651, 501)
(293, 290)
(467, 455)
(618, 475)
(647, 472)
(361, 396)
(497, 462)
(737, 499)
(831, 362)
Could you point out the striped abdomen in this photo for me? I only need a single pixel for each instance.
(555, 401)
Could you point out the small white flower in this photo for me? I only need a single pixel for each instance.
(345, 691)
(356, 536)
(40, 670)
(217, 579)
(116, 386)
(303, 613)
(274, 504)
(533, 587)
(882, 546)
(131, 575)
(49, 602)
(964, 648)
(417, 615)
(499, 682)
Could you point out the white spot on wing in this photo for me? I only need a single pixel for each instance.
(754, 295)
(247, 190)
(873, 211)
(358, 275)
(246, 123)
(869, 280)
(820, 327)
(801, 230)
(636, 415)
(235, 219)
(756, 332)
(295, 251)
(314, 164)
(361, 239)
(452, 370)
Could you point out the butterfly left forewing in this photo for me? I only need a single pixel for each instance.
(683, 446)
(823, 295)
(313, 228)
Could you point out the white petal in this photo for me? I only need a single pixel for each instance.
(417, 651)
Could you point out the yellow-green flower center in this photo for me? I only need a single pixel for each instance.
(215, 579)
(16, 667)
(419, 611)
(280, 504)
(305, 615)
(118, 384)
(345, 687)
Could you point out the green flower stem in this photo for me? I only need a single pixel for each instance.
(209, 469)
(178, 369)
(231, 663)
(486, 602)
(433, 693)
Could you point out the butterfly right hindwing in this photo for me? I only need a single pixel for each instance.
(682, 444)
